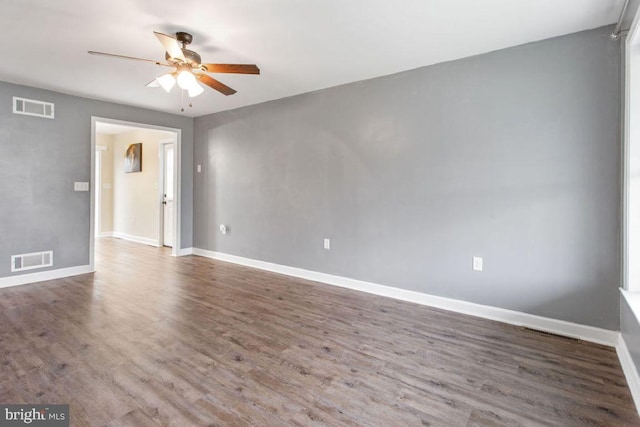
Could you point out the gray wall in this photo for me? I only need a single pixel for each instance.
(630, 329)
(512, 155)
(41, 158)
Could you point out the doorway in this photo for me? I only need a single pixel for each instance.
(161, 153)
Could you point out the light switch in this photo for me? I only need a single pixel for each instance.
(199, 167)
(80, 186)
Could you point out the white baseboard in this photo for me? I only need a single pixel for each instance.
(106, 234)
(630, 371)
(560, 327)
(24, 279)
(137, 239)
(184, 251)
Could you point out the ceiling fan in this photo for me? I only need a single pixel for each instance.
(189, 69)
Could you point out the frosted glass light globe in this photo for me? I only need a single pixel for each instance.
(186, 80)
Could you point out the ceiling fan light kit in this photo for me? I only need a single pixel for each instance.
(186, 80)
(166, 81)
(189, 69)
(195, 90)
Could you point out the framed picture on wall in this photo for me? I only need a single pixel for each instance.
(133, 158)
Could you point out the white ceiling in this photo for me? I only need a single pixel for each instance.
(300, 46)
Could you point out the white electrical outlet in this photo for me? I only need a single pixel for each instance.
(327, 243)
(477, 263)
(199, 167)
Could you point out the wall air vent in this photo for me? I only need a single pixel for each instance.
(30, 261)
(31, 107)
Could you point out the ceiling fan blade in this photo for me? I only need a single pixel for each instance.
(215, 84)
(171, 45)
(233, 68)
(133, 58)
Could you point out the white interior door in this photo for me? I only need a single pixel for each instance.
(168, 196)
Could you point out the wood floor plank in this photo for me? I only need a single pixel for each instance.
(150, 339)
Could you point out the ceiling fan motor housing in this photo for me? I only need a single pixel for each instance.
(193, 59)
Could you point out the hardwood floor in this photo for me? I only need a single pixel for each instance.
(155, 340)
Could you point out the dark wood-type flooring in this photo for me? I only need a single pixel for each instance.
(155, 340)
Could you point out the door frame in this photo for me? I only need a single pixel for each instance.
(177, 158)
(161, 145)
(630, 239)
